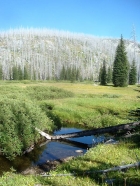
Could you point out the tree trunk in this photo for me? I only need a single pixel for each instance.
(112, 129)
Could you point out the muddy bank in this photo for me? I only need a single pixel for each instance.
(46, 167)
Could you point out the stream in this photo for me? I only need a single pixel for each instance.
(51, 150)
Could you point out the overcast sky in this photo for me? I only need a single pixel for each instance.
(109, 18)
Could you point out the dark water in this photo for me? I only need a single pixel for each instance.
(50, 150)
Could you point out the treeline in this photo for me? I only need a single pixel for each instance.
(45, 53)
(73, 74)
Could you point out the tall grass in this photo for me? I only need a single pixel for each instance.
(94, 112)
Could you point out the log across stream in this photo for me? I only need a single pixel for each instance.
(49, 150)
(112, 129)
(57, 148)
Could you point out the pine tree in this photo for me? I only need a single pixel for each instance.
(109, 75)
(68, 73)
(73, 74)
(20, 73)
(100, 72)
(15, 73)
(77, 74)
(103, 74)
(63, 73)
(26, 75)
(133, 74)
(120, 66)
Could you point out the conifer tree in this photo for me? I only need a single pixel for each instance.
(63, 73)
(120, 66)
(68, 73)
(20, 73)
(104, 74)
(133, 74)
(109, 75)
(73, 74)
(15, 73)
(77, 74)
(26, 75)
(100, 72)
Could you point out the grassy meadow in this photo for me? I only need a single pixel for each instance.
(86, 104)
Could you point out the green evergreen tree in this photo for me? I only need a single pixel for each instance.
(26, 75)
(77, 74)
(103, 74)
(63, 73)
(15, 73)
(68, 73)
(133, 74)
(120, 66)
(20, 73)
(73, 74)
(100, 72)
(109, 75)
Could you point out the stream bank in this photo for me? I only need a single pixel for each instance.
(49, 152)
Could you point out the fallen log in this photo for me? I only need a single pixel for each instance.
(112, 129)
(47, 136)
(118, 168)
(29, 149)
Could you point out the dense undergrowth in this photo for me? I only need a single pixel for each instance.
(20, 114)
(26, 105)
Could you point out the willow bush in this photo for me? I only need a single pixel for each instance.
(18, 119)
(45, 92)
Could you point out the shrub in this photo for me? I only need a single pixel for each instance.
(18, 119)
(42, 92)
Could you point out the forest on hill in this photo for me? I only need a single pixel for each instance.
(43, 54)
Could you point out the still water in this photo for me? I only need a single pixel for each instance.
(49, 150)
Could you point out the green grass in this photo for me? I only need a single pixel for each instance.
(84, 104)
(89, 106)
(45, 92)
(95, 112)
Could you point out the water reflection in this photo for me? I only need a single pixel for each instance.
(57, 150)
(49, 150)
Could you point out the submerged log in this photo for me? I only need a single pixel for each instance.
(29, 149)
